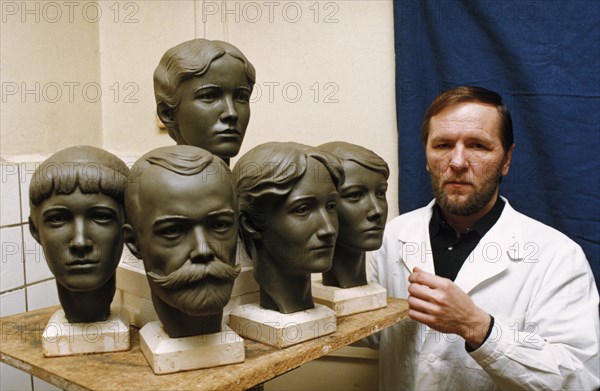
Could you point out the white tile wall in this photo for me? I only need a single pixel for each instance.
(12, 302)
(10, 206)
(12, 273)
(25, 173)
(14, 379)
(36, 268)
(42, 295)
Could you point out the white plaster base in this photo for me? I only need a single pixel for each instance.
(169, 355)
(348, 301)
(282, 330)
(61, 338)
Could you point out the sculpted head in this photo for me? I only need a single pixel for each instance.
(362, 209)
(181, 211)
(76, 200)
(287, 196)
(288, 199)
(202, 91)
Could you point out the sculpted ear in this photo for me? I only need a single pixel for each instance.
(248, 227)
(33, 230)
(167, 117)
(130, 240)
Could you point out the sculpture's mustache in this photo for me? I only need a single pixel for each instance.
(190, 273)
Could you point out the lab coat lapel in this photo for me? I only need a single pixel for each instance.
(415, 246)
(494, 253)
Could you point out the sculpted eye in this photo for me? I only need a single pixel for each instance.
(301, 210)
(57, 219)
(354, 195)
(171, 231)
(103, 216)
(242, 95)
(221, 226)
(208, 95)
(381, 193)
(331, 206)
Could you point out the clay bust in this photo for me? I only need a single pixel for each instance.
(202, 91)
(76, 200)
(181, 211)
(287, 200)
(362, 212)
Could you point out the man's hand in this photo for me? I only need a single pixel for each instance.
(442, 305)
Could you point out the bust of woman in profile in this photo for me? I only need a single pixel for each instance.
(287, 199)
(362, 212)
(76, 200)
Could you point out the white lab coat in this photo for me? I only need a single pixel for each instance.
(534, 280)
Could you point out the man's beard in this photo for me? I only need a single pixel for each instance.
(196, 289)
(474, 203)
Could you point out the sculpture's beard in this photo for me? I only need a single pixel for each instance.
(196, 288)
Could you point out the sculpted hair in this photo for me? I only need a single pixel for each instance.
(180, 159)
(476, 95)
(189, 59)
(89, 169)
(266, 174)
(357, 154)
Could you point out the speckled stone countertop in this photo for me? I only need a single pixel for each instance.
(21, 347)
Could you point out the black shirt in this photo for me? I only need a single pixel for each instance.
(450, 251)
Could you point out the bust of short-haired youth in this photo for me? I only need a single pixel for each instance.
(76, 200)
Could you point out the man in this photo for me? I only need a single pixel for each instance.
(496, 300)
(182, 221)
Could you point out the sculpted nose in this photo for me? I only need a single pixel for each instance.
(229, 113)
(328, 228)
(79, 243)
(376, 208)
(201, 252)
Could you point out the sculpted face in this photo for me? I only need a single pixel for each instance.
(301, 232)
(81, 237)
(214, 110)
(465, 157)
(186, 232)
(362, 209)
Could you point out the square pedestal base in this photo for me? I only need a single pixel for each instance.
(348, 301)
(61, 338)
(169, 355)
(282, 330)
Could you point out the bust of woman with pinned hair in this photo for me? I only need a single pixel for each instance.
(76, 200)
(202, 90)
(362, 212)
(287, 198)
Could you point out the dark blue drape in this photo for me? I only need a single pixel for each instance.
(543, 57)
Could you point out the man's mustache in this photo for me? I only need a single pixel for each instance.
(190, 273)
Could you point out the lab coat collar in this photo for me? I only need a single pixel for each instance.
(500, 246)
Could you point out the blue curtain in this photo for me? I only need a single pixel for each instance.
(543, 57)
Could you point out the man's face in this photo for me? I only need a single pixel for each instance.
(81, 237)
(301, 232)
(186, 233)
(214, 110)
(362, 209)
(465, 157)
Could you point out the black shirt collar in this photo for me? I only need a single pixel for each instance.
(438, 224)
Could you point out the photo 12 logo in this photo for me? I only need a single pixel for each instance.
(270, 11)
(69, 11)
